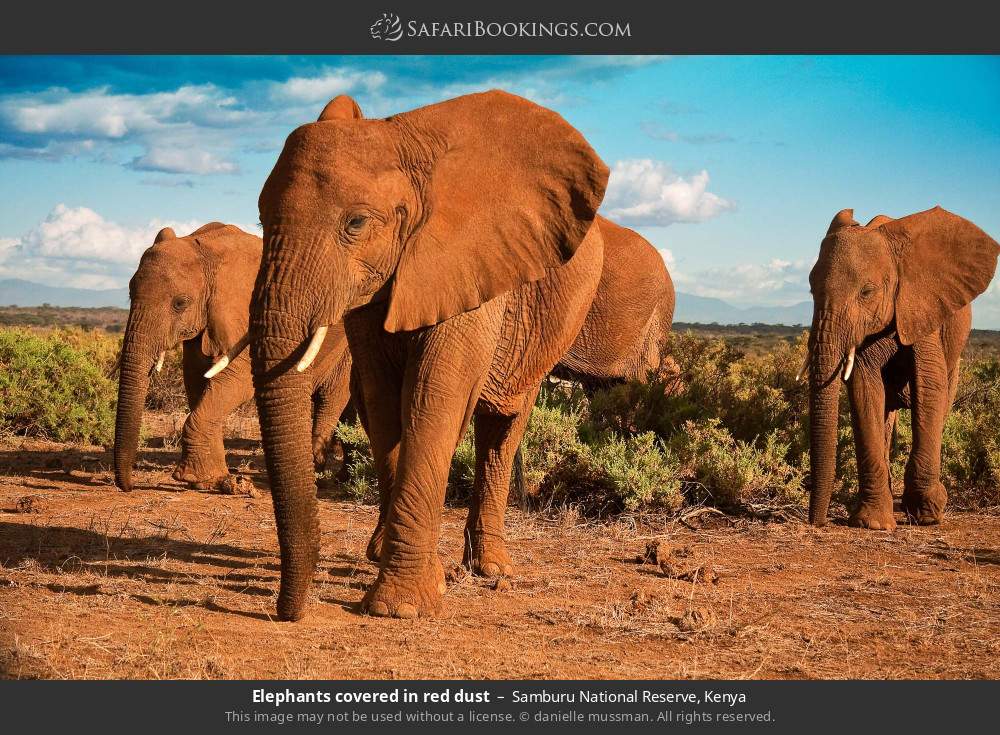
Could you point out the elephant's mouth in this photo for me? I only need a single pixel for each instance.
(846, 363)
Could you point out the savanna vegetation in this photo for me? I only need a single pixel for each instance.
(726, 426)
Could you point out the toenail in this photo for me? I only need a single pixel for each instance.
(378, 609)
(406, 611)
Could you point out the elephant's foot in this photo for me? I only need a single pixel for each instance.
(874, 513)
(407, 594)
(201, 474)
(925, 507)
(486, 555)
(374, 550)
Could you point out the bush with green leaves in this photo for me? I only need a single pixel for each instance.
(732, 472)
(54, 385)
(361, 481)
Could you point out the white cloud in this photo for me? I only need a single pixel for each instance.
(181, 161)
(174, 127)
(644, 192)
(774, 283)
(76, 246)
(325, 86)
(99, 113)
(986, 308)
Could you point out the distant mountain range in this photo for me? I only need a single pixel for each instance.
(703, 310)
(690, 308)
(15, 292)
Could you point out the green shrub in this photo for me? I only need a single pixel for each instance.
(552, 435)
(54, 385)
(734, 472)
(614, 474)
(362, 480)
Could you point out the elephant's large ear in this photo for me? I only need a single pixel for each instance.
(511, 190)
(232, 259)
(945, 261)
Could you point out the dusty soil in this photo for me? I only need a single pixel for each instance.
(168, 583)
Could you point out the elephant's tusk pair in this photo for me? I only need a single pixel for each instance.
(159, 361)
(223, 362)
(849, 365)
(804, 369)
(313, 349)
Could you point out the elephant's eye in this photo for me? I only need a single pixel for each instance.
(180, 303)
(356, 224)
(868, 290)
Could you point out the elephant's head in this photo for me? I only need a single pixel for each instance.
(906, 275)
(194, 287)
(433, 211)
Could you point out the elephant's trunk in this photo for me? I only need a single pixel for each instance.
(283, 319)
(826, 358)
(138, 355)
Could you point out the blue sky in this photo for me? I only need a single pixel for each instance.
(732, 166)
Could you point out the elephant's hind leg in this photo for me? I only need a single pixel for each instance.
(497, 440)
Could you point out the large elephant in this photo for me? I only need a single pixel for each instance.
(456, 241)
(891, 315)
(195, 291)
(623, 337)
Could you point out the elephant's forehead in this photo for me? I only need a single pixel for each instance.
(356, 145)
(852, 255)
(337, 160)
(179, 260)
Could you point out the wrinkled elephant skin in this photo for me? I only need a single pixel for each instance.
(456, 242)
(194, 291)
(891, 316)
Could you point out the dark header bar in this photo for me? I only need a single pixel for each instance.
(513, 26)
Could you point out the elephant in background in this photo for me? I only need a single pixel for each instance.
(195, 291)
(624, 337)
(891, 315)
(456, 242)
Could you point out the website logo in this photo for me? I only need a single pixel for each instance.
(387, 28)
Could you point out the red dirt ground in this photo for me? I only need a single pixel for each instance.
(167, 583)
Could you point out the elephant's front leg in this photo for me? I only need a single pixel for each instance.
(872, 424)
(441, 385)
(924, 497)
(203, 453)
(497, 440)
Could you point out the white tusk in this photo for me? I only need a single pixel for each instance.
(223, 362)
(218, 367)
(849, 366)
(159, 362)
(313, 349)
(804, 369)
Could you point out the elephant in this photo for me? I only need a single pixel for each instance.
(456, 242)
(195, 291)
(891, 314)
(624, 337)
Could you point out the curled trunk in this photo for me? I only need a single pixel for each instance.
(133, 384)
(824, 394)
